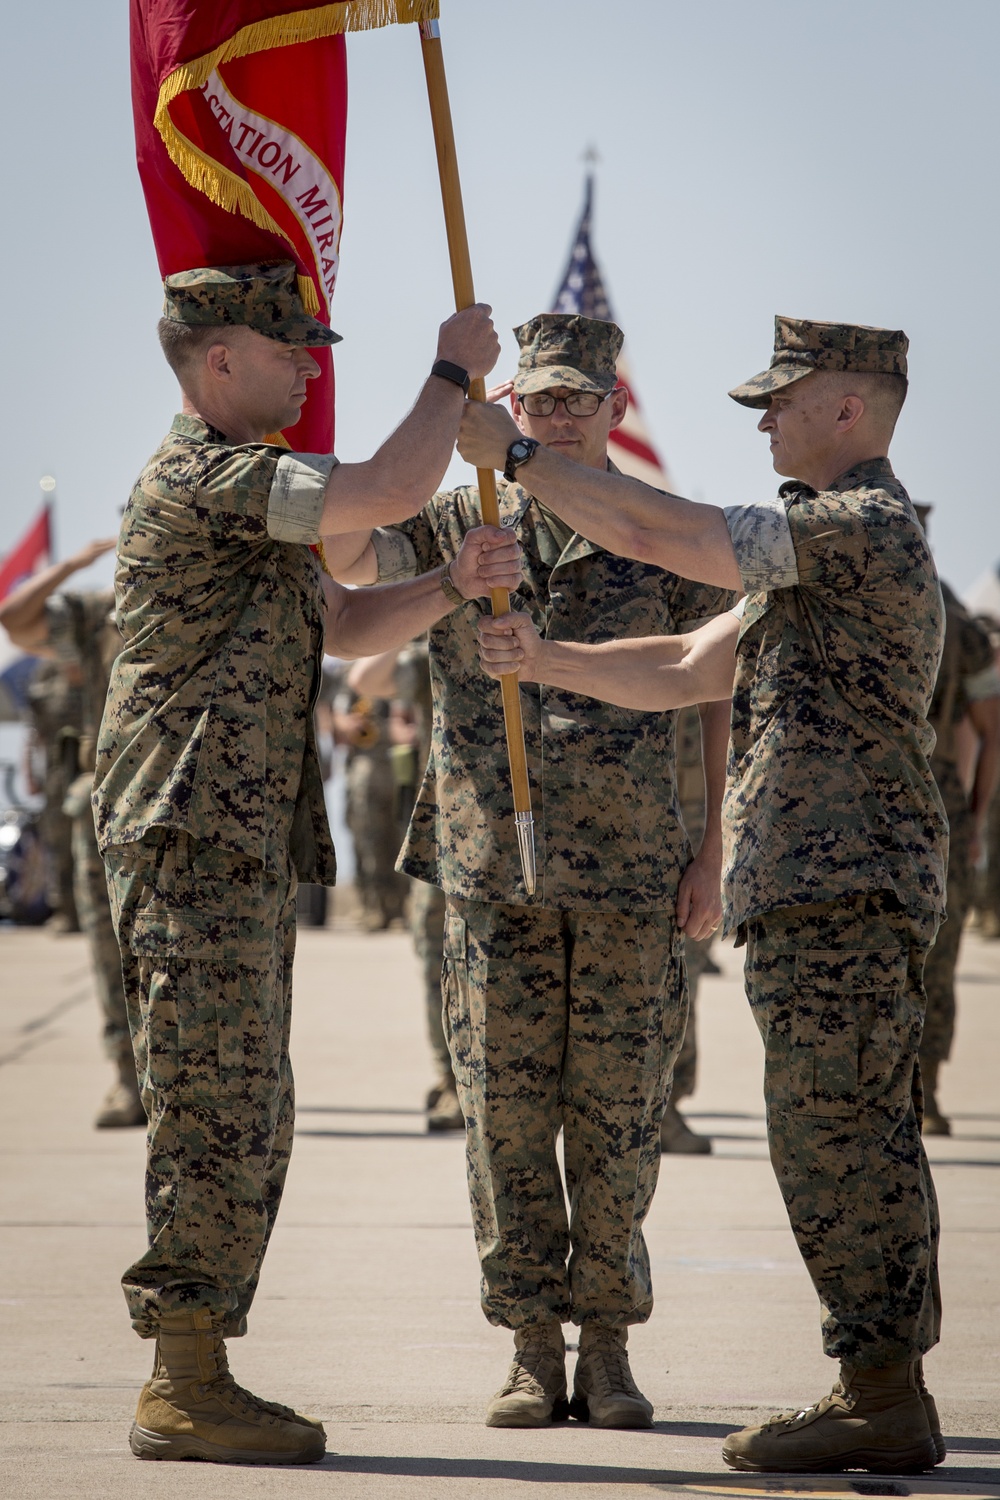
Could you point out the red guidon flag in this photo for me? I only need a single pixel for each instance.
(240, 117)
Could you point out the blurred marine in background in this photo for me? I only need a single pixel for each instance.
(78, 627)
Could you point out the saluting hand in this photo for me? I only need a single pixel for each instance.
(488, 558)
(92, 551)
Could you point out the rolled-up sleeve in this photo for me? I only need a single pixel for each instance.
(298, 493)
(396, 554)
(762, 541)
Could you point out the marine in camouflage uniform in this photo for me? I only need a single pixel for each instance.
(988, 887)
(55, 706)
(82, 624)
(834, 879)
(209, 809)
(428, 902)
(968, 653)
(370, 811)
(836, 841)
(564, 1010)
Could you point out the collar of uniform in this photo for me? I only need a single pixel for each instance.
(513, 501)
(871, 471)
(197, 428)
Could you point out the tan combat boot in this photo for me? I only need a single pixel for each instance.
(931, 1413)
(446, 1112)
(934, 1122)
(676, 1136)
(193, 1408)
(534, 1393)
(122, 1106)
(872, 1419)
(604, 1393)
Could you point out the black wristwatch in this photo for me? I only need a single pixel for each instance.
(518, 453)
(447, 371)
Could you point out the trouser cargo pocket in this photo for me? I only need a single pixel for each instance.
(845, 1032)
(191, 1001)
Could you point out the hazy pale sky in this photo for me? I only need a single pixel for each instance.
(833, 161)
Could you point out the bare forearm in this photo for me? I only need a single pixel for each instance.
(715, 718)
(633, 520)
(375, 676)
(350, 562)
(648, 673)
(368, 621)
(22, 613)
(404, 473)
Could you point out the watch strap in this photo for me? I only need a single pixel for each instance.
(514, 461)
(445, 370)
(449, 590)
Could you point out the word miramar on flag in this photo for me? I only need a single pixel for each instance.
(240, 121)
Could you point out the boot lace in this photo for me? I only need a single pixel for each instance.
(786, 1418)
(528, 1369)
(609, 1361)
(241, 1401)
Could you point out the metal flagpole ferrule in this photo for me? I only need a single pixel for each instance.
(525, 825)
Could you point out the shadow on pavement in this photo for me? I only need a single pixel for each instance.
(353, 1109)
(381, 1135)
(954, 1481)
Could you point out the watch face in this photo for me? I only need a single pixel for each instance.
(521, 448)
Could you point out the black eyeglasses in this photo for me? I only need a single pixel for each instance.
(577, 403)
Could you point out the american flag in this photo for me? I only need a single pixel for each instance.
(582, 291)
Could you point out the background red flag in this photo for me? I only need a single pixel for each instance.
(32, 552)
(240, 117)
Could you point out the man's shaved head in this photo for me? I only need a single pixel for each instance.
(883, 395)
(184, 343)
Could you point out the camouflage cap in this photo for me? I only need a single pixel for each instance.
(802, 346)
(263, 297)
(565, 349)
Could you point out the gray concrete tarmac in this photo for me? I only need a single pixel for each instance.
(368, 1312)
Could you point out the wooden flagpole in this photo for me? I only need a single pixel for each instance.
(461, 275)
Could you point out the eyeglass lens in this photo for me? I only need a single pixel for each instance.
(577, 403)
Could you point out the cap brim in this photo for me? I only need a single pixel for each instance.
(757, 391)
(309, 333)
(545, 377)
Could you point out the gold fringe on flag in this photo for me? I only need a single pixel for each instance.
(207, 176)
(307, 291)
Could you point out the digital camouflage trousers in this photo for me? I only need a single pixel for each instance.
(837, 993)
(91, 889)
(427, 906)
(562, 1020)
(942, 961)
(207, 941)
(696, 955)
